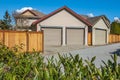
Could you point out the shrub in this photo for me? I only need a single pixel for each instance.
(27, 66)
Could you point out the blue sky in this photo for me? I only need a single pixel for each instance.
(110, 8)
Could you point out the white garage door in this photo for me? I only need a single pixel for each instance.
(100, 37)
(75, 36)
(52, 36)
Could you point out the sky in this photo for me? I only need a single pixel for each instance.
(110, 8)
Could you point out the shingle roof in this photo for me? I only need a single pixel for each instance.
(40, 14)
(67, 9)
(36, 14)
(84, 16)
(94, 20)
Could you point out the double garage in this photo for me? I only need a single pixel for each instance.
(54, 36)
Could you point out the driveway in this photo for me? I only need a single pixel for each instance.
(61, 49)
(101, 52)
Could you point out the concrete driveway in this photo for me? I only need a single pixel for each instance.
(61, 49)
(101, 52)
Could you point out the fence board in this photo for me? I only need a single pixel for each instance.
(31, 40)
(37, 39)
(114, 38)
(89, 38)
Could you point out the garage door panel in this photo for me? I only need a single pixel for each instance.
(100, 37)
(75, 36)
(52, 36)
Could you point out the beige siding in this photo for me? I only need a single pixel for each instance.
(62, 18)
(25, 22)
(101, 24)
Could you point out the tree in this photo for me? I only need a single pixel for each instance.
(2, 25)
(6, 22)
(115, 28)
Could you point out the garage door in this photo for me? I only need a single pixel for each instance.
(75, 36)
(52, 36)
(100, 37)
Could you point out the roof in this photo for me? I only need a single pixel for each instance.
(68, 10)
(84, 16)
(94, 20)
(36, 14)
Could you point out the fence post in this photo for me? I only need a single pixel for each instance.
(42, 41)
(27, 41)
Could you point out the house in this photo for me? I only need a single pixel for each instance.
(25, 19)
(65, 27)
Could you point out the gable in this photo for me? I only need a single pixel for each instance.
(62, 18)
(28, 13)
(101, 24)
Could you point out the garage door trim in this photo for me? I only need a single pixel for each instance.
(53, 28)
(75, 28)
(105, 34)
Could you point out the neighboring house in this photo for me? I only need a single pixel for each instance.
(25, 19)
(65, 27)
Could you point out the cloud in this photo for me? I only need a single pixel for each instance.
(116, 19)
(23, 9)
(90, 15)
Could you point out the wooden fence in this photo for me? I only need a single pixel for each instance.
(114, 38)
(31, 40)
(89, 38)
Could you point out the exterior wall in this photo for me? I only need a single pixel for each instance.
(99, 25)
(64, 19)
(24, 22)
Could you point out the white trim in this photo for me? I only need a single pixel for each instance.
(86, 35)
(50, 26)
(85, 28)
(93, 36)
(107, 36)
(38, 27)
(63, 36)
(75, 27)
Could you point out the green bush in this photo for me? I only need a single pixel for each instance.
(115, 28)
(27, 66)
